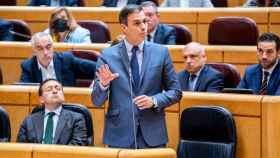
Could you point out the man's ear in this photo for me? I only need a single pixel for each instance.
(123, 27)
(41, 100)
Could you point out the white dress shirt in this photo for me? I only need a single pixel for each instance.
(48, 72)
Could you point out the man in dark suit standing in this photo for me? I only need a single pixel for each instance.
(264, 78)
(197, 76)
(139, 80)
(54, 124)
(157, 32)
(45, 64)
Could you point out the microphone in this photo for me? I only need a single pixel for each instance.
(20, 34)
(133, 110)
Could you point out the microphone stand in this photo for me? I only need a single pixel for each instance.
(133, 110)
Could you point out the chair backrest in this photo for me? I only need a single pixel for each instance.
(207, 131)
(5, 127)
(8, 3)
(21, 30)
(183, 34)
(80, 109)
(219, 3)
(92, 55)
(81, 3)
(230, 72)
(233, 31)
(99, 31)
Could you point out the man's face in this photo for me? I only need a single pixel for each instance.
(52, 94)
(267, 54)
(152, 17)
(193, 60)
(136, 28)
(43, 49)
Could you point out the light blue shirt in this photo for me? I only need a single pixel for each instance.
(139, 53)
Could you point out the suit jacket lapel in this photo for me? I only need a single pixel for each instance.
(60, 126)
(158, 35)
(58, 68)
(273, 79)
(257, 79)
(124, 57)
(37, 72)
(39, 126)
(198, 85)
(185, 81)
(145, 62)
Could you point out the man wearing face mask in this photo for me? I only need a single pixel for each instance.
(64, 28)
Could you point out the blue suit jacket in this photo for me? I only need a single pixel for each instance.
(209, 80)
(113, 3)
(165, 34)
(47, 3)
(157, 74)
(253, 79)
(71, 129)
(67, 69)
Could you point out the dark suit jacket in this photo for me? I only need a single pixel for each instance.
(113, 3)
(71, 128)
(209, 80)
(165, 34)
(157, 79)
(253, 79)
(47, 2)
(67, 69)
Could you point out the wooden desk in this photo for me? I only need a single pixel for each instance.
(197, 19)
(13, 150)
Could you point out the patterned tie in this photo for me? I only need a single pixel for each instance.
(49, 129)
(263, 90)
(135, 67)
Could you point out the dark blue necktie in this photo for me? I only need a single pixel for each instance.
(135, 67)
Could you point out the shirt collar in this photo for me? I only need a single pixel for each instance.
(198, 72)
(152, 34)
(270, 70)
(129, 46)
(49, 66)
(57, 111)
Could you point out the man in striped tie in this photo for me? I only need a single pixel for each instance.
(264, 78)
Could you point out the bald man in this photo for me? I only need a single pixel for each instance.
(197, 76)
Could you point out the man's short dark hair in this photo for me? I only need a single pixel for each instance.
(126, 11)
(270, 37)
(40, 91)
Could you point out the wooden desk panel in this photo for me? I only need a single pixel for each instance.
(64, 151)
(172, 123)
(15, 150)
(271, 127)
(16, 103)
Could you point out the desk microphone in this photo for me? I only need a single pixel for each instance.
(20, 34)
